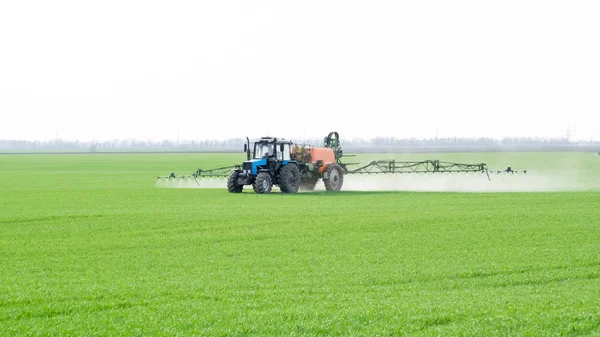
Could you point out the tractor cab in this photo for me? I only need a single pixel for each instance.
(271, 149)
(268, 154)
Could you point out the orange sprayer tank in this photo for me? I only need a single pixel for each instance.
(309, 154)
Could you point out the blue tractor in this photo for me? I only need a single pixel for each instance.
(268, 164)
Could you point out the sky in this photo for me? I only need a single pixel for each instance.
(154, 70)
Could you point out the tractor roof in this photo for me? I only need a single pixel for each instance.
(273, 139)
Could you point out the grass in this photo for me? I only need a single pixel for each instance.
(89, 246)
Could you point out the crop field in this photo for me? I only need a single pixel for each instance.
(90, 245)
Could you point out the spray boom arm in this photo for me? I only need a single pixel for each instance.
(426, 166)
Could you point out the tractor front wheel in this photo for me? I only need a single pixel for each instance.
(263, 183)
(335, 178)
(232, 185)
(289, 178)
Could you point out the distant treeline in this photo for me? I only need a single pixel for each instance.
(237, 143)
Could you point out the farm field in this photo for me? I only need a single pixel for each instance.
(90, 245)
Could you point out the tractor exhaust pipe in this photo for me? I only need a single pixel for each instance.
(247, 148)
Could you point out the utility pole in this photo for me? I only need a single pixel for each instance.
(568, 133)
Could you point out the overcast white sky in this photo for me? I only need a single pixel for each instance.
(219, 69)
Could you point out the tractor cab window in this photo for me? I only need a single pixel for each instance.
(263, 150)
(285, 154)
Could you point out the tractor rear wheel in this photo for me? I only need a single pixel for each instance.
(289, 178)
(335, 178)
(232, 185)
(263, 183)
(308, 184)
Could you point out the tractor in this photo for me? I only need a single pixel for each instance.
(269, 164)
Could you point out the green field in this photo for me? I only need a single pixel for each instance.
(89, 246)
